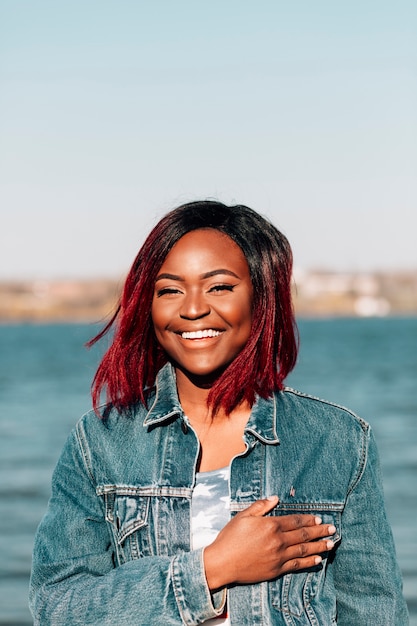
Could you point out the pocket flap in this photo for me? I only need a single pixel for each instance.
(131, 513)
(126, 509)
(330, 513)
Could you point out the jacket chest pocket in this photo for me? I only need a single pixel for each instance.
(308, 597)
(147, 521)
(127, 513)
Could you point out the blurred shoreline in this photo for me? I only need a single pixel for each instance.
(316, 294)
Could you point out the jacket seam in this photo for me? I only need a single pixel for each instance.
(362, 461)
(83, 446)
(301, 394)
(177, 599)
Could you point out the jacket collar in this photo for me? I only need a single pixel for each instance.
(165, 402)
(166, 405)
(263, 419)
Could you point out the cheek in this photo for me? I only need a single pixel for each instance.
(158, 314)
(154, 316)
(158, 326)
(245, 310)
(240, 316)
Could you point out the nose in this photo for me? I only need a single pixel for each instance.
(194, 306)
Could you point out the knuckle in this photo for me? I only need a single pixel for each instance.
(303, 549)
(252, 510)
(305, 536)
(298, 519)
(277, 541)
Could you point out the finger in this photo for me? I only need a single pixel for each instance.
(315, 548)
(306, 555)
(260, 507)
(293, 522)
(307, 535)
(294, 565)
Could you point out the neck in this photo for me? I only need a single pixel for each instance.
(220, 438)
(193, 398)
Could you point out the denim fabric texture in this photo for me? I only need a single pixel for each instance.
(114, 545)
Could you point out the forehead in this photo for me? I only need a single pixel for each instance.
(206, 246)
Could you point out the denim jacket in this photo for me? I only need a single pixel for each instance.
(114, 545)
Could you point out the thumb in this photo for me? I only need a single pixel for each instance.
(261, 507)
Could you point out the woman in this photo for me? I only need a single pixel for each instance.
(203, 491)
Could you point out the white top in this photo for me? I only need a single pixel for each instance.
(210, 509)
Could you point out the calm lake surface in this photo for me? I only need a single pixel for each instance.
(369, 365)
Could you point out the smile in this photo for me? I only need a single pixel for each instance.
(201, 334)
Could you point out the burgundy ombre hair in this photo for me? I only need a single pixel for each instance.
(134, 358)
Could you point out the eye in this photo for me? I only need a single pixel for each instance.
(167, 291)
(220, 288)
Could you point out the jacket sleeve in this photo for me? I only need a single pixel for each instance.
(367, 576)
(74, 579)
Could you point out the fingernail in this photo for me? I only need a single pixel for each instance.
(329, 544)
(271, 498)
(331, 529)
(318, 520)
(318, 560)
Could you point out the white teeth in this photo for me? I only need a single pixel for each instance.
(201, 334)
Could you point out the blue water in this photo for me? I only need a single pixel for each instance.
(369, 365)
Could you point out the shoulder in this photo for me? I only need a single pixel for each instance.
(99, 444)
(316, 414)
(318, 428)
(108, 417)
(93, 430)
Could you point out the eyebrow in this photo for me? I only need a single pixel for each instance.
(202, 276)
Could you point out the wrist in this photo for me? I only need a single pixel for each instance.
(214, 570)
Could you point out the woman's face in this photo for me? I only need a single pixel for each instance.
(202, 303)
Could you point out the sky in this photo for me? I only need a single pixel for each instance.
(114, 112)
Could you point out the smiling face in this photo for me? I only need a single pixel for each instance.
(202, 303)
